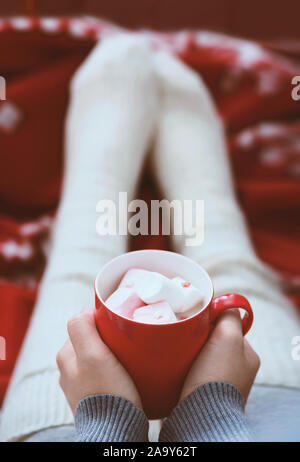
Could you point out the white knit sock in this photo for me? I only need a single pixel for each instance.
(190, 162)
(109, 126)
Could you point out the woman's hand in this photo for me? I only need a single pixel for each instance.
(226, 357)
(88, 367)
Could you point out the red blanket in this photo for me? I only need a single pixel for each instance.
(252, 88)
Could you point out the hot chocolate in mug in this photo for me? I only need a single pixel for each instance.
(158, 356)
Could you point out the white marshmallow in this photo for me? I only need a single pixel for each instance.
(132, 278)
(153, 287)
(157, 313)
(190, 295)
(124, 301)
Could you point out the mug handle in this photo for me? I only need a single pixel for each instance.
(227, 301)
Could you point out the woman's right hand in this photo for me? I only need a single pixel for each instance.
(226, 357)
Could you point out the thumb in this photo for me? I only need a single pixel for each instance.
(83, 333)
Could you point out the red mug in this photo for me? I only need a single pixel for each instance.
(158, 356)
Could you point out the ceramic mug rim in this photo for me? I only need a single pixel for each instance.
(186, 259)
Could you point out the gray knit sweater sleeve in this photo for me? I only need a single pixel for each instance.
(111, 418)
(213, 412)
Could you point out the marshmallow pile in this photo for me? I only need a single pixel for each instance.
(149, 297)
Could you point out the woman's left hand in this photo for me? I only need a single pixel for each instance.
(88, 367)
